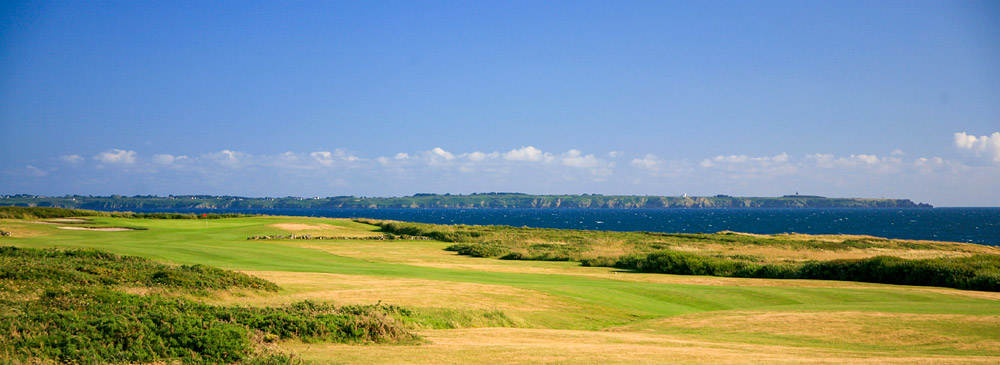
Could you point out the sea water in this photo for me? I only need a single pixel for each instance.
(974, 225)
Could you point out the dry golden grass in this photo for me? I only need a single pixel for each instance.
(838, 329)
(534, 346)
(356, 289)
(772, 254)
(19, 229)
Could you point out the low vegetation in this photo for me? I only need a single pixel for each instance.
(962, 266)
(979, 272)
(76, 306)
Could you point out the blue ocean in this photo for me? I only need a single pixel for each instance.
(974, 225)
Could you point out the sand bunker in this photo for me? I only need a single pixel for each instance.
(102, 229)
(303, 227)
(68, 220)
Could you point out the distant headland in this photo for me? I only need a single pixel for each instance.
(475, 200)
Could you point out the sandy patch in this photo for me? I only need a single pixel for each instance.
(68, 220)
(102, 229)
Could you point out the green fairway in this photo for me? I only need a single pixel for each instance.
(839, 320)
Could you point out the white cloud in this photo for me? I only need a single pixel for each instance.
(116, 157)
(324, 158)
(736, 160)
(439, 152)
(476, 156)
(34, 171)
(616, 154)
(529, 153)
(164, 159)
(575, 158)
(982, 145)
(72, 159)
(530, 169)
(648, 162)
(228, 158)
(829, 161)
(327, 158)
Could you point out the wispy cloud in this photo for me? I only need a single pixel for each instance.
(116, 157)
(72, 159)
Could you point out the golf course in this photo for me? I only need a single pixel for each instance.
(450, 307)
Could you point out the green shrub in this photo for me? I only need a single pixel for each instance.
(680, 263)
(979, 272)
(490, 249)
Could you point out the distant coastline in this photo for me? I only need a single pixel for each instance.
(470, 201)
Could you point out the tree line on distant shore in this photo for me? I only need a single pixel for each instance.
(479, 200)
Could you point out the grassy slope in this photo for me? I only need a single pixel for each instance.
(598, 314)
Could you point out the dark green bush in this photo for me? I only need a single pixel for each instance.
(489, 249)
(980, 272)
(88, 267)
(680, 263)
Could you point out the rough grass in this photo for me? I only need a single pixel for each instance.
(579, 245)
(66, 306)
(590, 314)
(950, 265)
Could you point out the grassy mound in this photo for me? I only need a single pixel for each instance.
(67, 306)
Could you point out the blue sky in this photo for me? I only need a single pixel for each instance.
(763, 98)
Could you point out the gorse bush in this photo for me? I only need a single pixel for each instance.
(979, 272)
(65, 306)
(489, 249)
(91, 267)
(681, 263)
